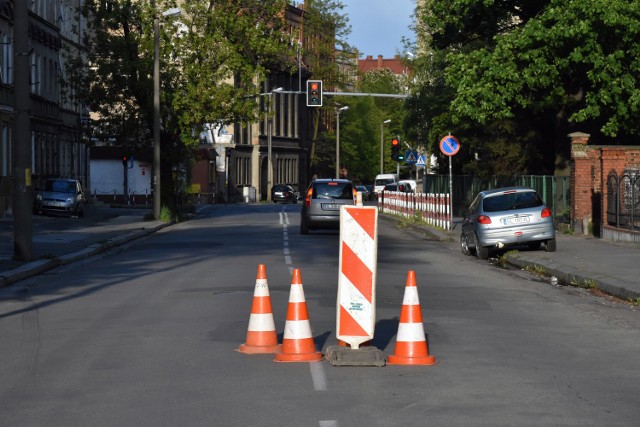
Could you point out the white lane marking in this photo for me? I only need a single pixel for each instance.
(318, 376)
(329, 423)
(284, 220)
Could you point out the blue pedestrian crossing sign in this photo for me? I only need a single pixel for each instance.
(449, 145)
(410, 157)
(422, 161)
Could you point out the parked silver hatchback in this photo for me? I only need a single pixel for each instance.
(507, 217)
(322, 201)
(60, 195)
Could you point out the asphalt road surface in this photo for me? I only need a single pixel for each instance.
(146, 335)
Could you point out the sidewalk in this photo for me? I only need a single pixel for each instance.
(60, 241)
(579, 260)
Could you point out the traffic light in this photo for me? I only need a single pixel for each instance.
(314, 93)
(124, 161)
(395, 149)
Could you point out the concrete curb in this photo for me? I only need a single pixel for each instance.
(39, 266)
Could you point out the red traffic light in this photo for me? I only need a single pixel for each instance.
(314, 93)
(394, 142)
(124, 160)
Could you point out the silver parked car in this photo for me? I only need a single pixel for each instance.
(322, 201)
(507, 217)
(60, 195)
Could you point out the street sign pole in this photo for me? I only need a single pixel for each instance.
(449, 146)
(450, 192)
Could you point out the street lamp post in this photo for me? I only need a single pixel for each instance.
(156, 109)
(382, 144)
(346, 107)
(269, 136)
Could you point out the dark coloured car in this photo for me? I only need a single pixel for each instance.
(283, 193)
(322, 202)
(507, 217)
(60, 195)
(366, 194)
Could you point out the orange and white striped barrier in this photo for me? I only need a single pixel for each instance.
(297, 343)
(356, 305)
(411, 345)
(433, 208)
(261, 334)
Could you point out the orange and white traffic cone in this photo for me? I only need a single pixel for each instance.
(261, 334)
(411, 345)
(297, 343)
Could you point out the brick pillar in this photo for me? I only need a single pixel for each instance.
(582, 166)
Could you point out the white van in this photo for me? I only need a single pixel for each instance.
(382, 180)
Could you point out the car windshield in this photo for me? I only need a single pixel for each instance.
(60, 186)
(333, 190)
(511, 201)
(381, 182)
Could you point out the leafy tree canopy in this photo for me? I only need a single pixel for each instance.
(527, 73)
(212, 57)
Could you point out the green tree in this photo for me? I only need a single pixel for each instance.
(213, 58)
(360, 125)
(325, 48)
(519, 76)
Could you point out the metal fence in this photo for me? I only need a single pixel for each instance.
(623, 200)
(554, 190)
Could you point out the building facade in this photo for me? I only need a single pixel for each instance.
(58, 145)
(239, 170)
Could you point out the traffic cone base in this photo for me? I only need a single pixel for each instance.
(260, 342)
(299, 350)
(261, 333)
(409, 360)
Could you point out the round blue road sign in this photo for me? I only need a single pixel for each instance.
(449, 145)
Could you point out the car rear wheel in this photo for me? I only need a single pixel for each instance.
(481, 251)
(550, 245)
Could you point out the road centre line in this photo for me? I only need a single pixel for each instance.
(318, 376)
(284, 220)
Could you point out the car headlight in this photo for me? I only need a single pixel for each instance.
(70, 200)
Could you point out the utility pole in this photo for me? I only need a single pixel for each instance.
(22, 189)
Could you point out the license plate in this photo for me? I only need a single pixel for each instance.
(514, 220)
(331, 206)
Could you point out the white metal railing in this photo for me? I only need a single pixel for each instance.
(431, 208)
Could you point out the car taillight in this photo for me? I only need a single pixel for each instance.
(546, 212)
(483, 219)
(307, 199)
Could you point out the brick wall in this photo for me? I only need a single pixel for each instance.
(590, 167)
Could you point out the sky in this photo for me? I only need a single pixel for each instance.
(377, 26)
